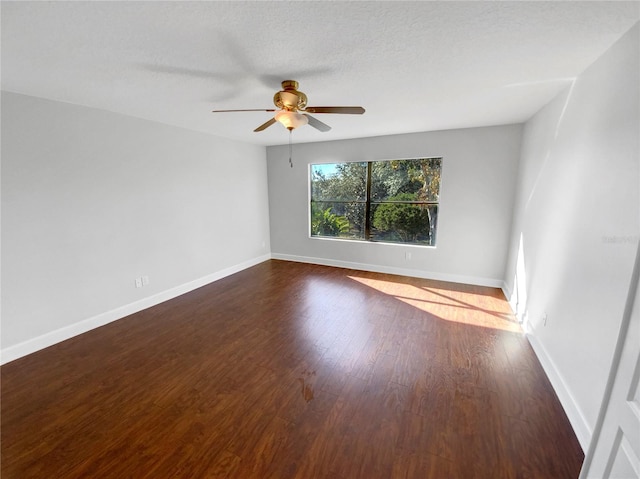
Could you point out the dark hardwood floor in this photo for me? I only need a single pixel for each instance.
(290, 370)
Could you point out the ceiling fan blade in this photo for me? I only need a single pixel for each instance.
(317, 124)
(232, 111)
(349, 110)
(266, 124)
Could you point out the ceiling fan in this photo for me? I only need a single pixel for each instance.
(293, 111)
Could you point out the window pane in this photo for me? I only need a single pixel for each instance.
(404, 223)
(337, 219)
(339, 182)
(401, 200)
(419, 178)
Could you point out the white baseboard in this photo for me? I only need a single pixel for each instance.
(493, 283)
(507, 294)
(19, 350)
(576, 418)
(11, 353)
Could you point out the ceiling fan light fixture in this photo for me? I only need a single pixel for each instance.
(291, 119)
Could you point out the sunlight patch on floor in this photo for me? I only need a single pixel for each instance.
(471, 308)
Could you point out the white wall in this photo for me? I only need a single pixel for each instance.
(578, 214)
(91, 200)
(478, 183)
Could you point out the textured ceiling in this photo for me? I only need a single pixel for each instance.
(414, 66)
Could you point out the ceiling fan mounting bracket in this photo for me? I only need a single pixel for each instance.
(289, 85)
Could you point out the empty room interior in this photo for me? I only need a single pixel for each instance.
(320, 240)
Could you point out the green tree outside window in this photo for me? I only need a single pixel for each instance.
(386, 201)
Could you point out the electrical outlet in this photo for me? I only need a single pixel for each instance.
(407, 255)
(138, 282)
(145, 280)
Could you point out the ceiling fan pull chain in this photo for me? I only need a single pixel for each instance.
(290, 149)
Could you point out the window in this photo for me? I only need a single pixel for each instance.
(393, 201)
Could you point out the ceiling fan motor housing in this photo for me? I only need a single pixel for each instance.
(289, 98)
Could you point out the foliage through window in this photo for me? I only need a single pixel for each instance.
(393, 201)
